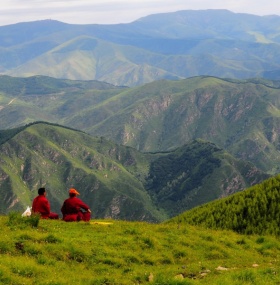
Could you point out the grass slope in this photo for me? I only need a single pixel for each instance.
(124, 253)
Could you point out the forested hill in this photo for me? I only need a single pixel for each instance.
(197, 173)
(253, 211)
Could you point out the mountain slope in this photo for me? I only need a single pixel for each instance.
(254, 211)
(116, 181)
(87, 58)
(25, 100)
(241, 116)
(197, 173)
(60, 158)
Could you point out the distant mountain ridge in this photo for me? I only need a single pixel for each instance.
(169, 45)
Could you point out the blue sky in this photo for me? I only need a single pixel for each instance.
(119, 11)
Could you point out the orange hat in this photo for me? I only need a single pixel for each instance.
(73, 191)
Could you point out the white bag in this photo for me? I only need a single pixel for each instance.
(27, 212)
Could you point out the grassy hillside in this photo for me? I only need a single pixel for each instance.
(255, 210)
(117, 252)
(116, 181)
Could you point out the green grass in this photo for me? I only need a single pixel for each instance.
(120, 252)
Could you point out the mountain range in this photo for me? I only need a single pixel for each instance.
(240, 116)
(147, 119)
(116, 181)
(162, 46)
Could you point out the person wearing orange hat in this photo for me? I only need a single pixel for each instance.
(74, 209)
(42, 206)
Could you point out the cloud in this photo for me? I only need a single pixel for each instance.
(84, 11)
(119, 11)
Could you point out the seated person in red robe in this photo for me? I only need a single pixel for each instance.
(42, 206)
(74, 209)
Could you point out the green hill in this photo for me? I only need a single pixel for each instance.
(59, 158)
(253, 211)
(116, 181)
(241, 116)
(117, 252)
(25, 100)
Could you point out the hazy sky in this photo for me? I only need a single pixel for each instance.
(119, 11)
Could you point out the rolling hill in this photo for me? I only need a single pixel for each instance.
(25, 100)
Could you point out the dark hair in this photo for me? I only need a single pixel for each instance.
(41, 191)
(72, 195)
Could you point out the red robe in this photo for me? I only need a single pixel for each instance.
(71, 210)
(41, 205)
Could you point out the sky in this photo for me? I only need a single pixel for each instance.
(119, 11)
